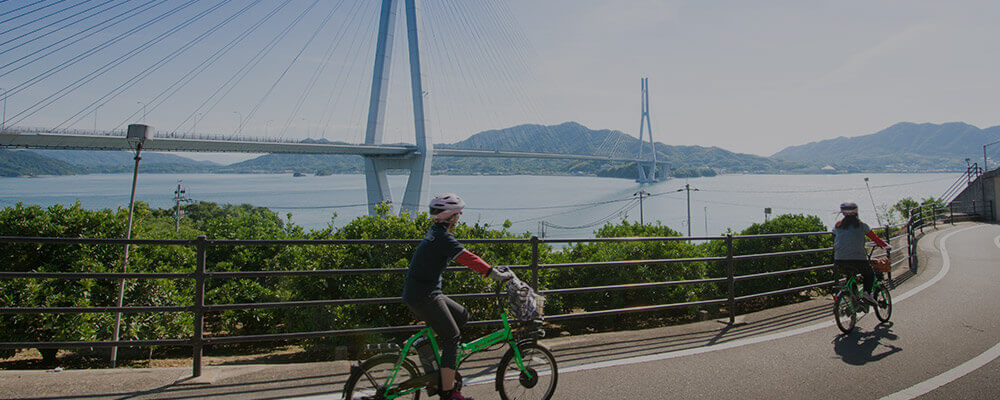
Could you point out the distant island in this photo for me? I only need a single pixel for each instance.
(903, 147)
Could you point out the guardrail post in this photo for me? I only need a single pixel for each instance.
(199, 306)
(951, 213)
(921, 219)
(731, 278)
(910, 256)
(534, 262)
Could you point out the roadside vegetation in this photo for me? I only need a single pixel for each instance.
(248, 222)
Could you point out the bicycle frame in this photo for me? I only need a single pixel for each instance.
(851, 287)
(465, 350)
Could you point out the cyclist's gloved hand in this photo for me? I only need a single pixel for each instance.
(500, 274)
(888, 248)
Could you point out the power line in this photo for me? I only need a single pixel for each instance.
(824, 190)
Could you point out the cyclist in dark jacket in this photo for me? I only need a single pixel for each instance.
(422, 289)
(849, 247)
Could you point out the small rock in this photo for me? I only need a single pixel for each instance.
(563, 333)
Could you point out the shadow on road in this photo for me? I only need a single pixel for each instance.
(579, 353)
(258, 389)
(860, 348)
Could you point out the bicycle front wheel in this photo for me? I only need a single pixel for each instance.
(537, 382)
(883, 304)
(843, 312)
(368, 380)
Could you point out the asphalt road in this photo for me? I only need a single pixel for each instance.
(945, 316)
(941, 343)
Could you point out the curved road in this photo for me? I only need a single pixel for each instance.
(944, 317)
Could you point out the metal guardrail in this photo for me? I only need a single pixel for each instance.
(920, 217)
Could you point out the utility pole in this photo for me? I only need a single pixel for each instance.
(178, 198)
(687, 188)
(640, 194)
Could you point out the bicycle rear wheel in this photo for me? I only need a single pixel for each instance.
(883, 304)
(540, 381)
(843, 312)
(368, 381)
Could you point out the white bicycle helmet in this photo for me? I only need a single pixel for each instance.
(849, 208)
(445, 205)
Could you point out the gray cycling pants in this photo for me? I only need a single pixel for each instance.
(446, 318)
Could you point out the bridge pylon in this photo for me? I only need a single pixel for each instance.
(643, 175)
(418, 162)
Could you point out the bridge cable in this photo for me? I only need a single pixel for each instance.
(93, 50)
(41, 18)
(154, 67)
(241, 73)
(112, 64)
(207, 63)
(345, 73)
(51, 3)
(187, 78)
(291, 63)
(107, 22)
(320, 67)
(59, 28)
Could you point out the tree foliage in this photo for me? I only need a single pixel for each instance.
(225, 222)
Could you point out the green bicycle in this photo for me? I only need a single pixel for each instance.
(526, 371)
(847, 302)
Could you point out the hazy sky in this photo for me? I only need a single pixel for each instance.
(751, 77)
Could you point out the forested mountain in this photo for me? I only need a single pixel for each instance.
(573, 138)
(100, 161)
(905, 147)
(566, 138)
(26, 163)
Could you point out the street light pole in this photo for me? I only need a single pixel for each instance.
(143, 110)
(136, 136)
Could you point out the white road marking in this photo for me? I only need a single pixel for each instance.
(780, 335)
(954, 373)
(946, 266)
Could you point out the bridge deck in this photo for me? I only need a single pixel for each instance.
(109, 142)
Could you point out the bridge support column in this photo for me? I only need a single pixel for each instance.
(646, 177)
(419, 162)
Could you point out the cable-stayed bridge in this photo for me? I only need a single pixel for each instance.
(56, 51)
(40, 138)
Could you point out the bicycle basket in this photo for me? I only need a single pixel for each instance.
(525, 304)
(881, 264)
